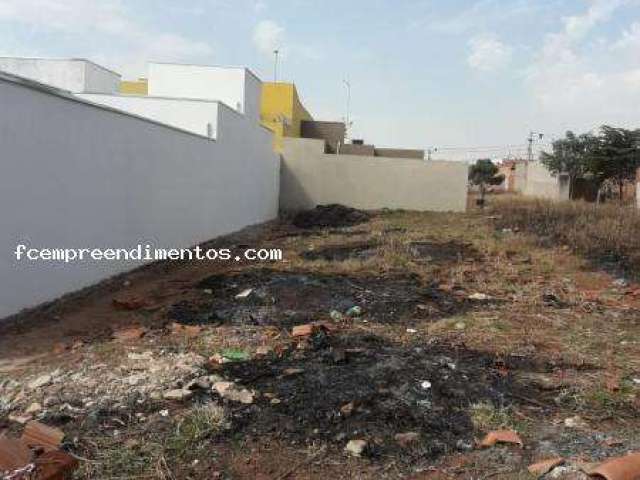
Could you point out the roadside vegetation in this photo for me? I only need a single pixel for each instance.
(609, 159)
(604, 233)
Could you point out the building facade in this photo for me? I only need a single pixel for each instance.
(282, 111)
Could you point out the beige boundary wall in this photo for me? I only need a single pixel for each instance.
(534, 180)
(309, 177)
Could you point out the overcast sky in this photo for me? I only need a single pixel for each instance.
(468, 74)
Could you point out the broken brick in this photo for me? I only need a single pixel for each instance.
(38, 434)
(187, 330)
(303, 330)
(127, 334)
(545, 466)
(501, 436)
(13, 454)
(620, 468)
(309, 329)
(55, 465)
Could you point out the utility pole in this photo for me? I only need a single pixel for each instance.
(276, 52)
(530, 140)
(347, 120)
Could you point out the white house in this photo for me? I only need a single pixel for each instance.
(76, 75)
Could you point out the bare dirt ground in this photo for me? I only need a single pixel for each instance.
(462, 326)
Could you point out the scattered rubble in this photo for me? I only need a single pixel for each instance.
(287, 299)
(231, 391)
(356, 447)
(315, 357)
(480, 297)
(35, 455)
(41, 381)
(575, 422)
(244, 294)
(178, 394)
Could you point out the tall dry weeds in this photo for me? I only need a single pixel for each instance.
(608, 232)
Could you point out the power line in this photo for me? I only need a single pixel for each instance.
(485, 147)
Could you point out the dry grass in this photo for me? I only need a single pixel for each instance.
(157, 454)
(578, 345)
(601, 232)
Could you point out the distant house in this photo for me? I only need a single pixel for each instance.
(282, 111)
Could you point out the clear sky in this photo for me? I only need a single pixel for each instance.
(470, 77)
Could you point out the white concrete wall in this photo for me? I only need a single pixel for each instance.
(252, 95)
(98, 79)
(77, 175)
(197, 116)
(539, 182)
(310, 177)
(226, 84)
(520, 177)
(74, 75)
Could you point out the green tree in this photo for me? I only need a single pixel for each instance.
(571, 155)
(615, 156)
(482, 173)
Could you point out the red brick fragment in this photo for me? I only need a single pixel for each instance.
(620, 468)
(501, 436)
(187, 330)
(38, 434)
(309, 329)
(303, 330)
(55, 465)
(131, 333)
(13, 454)
(545, 466)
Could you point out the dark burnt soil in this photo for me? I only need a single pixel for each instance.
(450, 251)
(285, 299)
(340, 253)
(361, 386)
(330, 216)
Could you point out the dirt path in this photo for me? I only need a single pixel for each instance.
(459, 328)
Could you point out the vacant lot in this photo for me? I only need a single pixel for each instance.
(445, 326)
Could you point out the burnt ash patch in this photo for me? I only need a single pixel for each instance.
(330, 216)
(383, 383)
(340, 253)
(286, 299)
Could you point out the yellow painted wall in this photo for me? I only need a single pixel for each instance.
(281, 111)
(134, 87)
